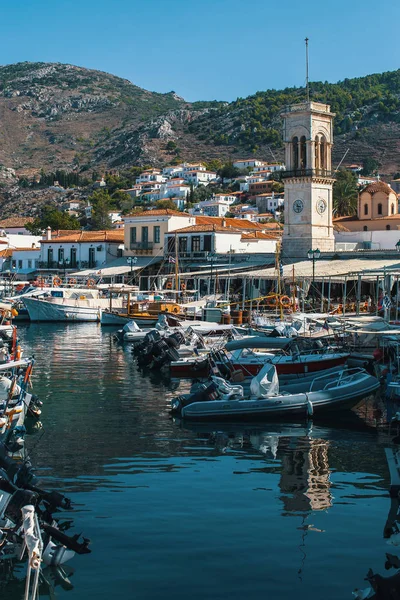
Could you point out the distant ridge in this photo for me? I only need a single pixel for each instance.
(63, 116)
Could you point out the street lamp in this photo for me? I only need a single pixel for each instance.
(131, 260)
(65, 265)
(210, 258)
(313, 255)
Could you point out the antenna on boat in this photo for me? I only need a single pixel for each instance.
(307, 78)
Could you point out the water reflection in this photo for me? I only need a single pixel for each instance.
(298, 502)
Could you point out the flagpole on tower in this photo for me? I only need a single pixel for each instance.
(307, 79)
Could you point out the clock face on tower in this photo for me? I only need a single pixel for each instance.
(321, 206)
(298, 205)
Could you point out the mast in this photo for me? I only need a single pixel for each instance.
(176, 266)
(307, 79)
(294, 290)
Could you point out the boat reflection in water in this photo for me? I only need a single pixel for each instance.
(12, 580)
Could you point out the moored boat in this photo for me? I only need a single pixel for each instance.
(220, 400)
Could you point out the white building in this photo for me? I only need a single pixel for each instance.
(187, 167)
(24, 261)
(197, 177)
(172, 170)
(154, 175)
(249, 163)
(217, 206)
(114, 216)
(179, 190)
(197, 241)
(269, 202)
(81, 250)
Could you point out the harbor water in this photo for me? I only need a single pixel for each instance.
(236, 511)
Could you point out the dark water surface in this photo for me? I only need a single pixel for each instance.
(214, 512)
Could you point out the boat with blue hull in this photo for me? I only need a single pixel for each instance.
(220, 400)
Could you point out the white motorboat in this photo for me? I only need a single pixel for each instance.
(69, 304)
(264, 400)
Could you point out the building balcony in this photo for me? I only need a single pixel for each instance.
(305, 173)
(141, 245)
(189, 255)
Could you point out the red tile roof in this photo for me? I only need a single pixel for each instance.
(206, 229)
(260, 235)
(15, 222)
(228, 222)
(6, 253)
(378, 186)
(111, 235)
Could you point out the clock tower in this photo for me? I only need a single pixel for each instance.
(308, 138)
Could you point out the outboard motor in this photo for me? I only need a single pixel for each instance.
(204, 392)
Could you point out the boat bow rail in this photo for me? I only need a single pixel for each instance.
(342, 378)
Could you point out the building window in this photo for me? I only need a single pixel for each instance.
(61, 255)
(92, 261)
(365, 209)
(207, 243)
(379, 209)
(323, 153)
(73, 257)
(20, 264)
(50, 256)
(365, 228)
(133, 235)
(388, 227)
(156, 234)
(196, 243)
(182, 245)
(303, 152)
(295, 153)
(29, 264)
(392, 209)
(14, 264)
(145, 235)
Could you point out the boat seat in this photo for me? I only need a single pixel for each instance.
(225, 389)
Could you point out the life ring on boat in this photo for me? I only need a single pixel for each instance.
(175, 309)
(56, 281)
(285, 301)
(169, 285)
(72, 281)
(90, 283)
(14, 312)
(183, 286)
(272, 301)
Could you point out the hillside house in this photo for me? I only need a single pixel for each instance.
(249, 163)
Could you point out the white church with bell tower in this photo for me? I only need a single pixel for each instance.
(308, 139)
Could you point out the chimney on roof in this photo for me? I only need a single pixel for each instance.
(48, 233)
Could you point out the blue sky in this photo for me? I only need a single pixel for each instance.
(208, 49)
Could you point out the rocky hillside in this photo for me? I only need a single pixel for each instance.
(62, 116)
(54, 115)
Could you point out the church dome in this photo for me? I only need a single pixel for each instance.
(378, 186)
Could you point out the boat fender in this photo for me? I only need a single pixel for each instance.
(310, 408)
